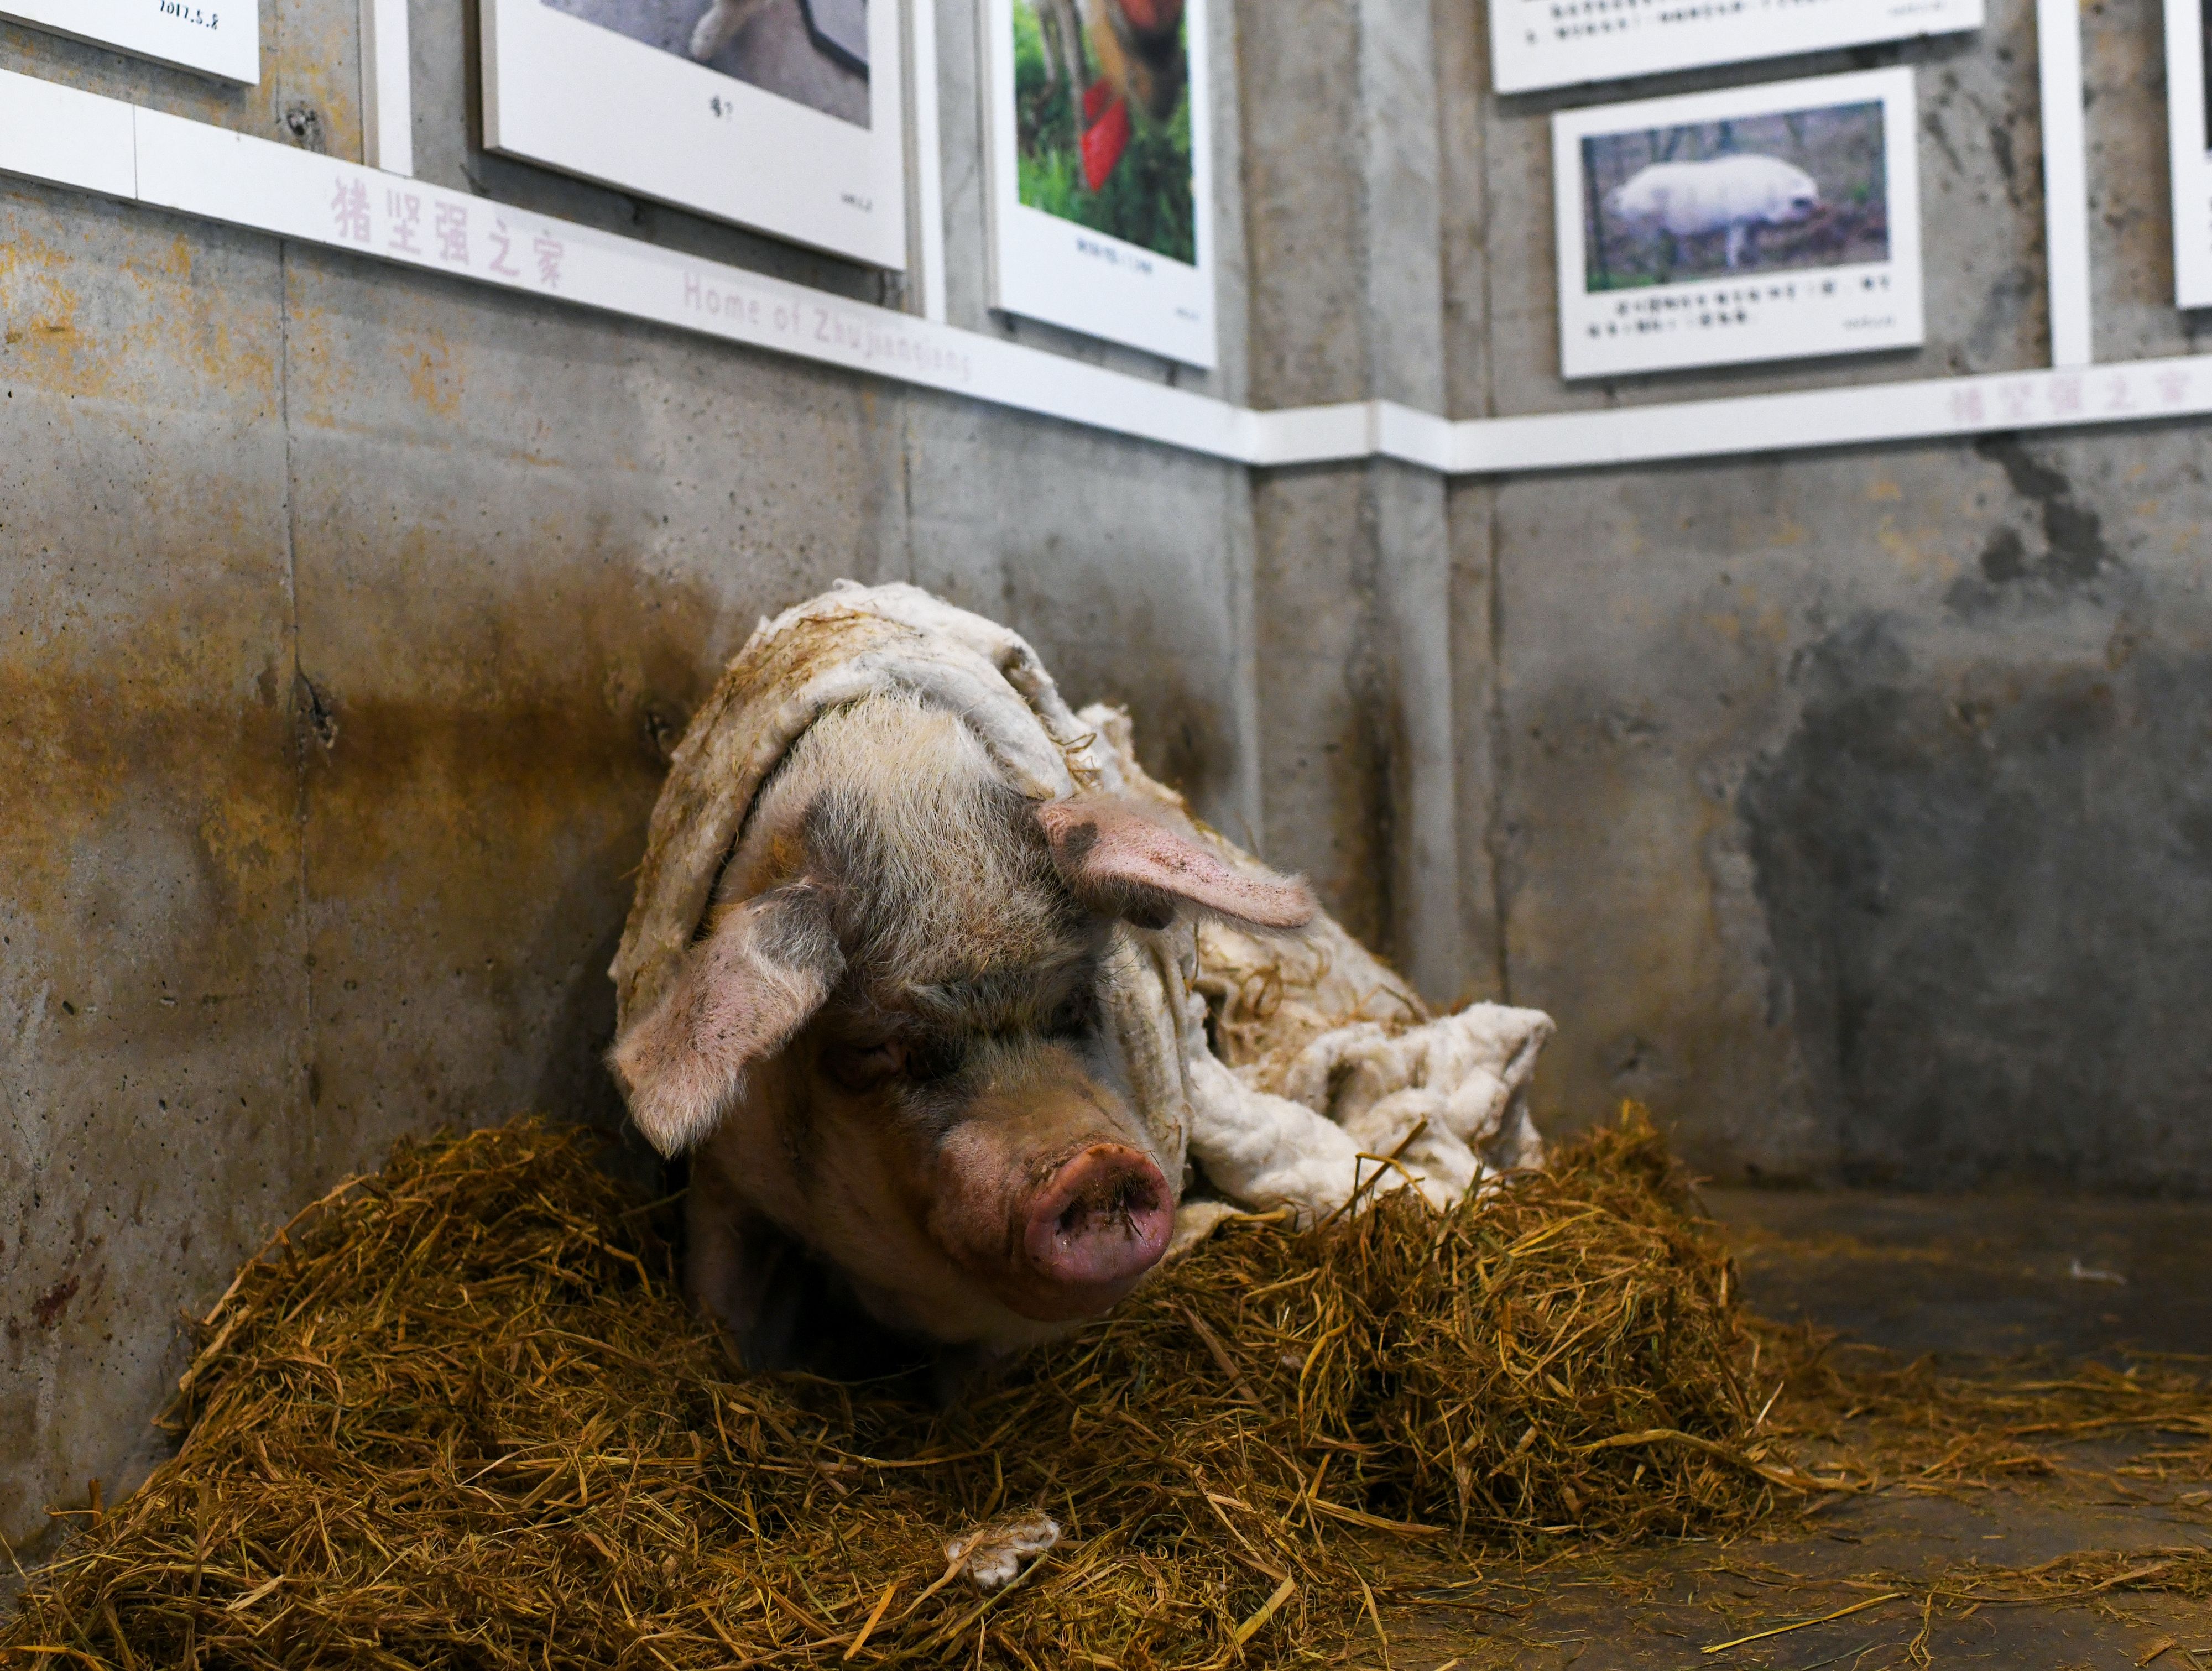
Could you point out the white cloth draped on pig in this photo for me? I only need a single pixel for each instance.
(1328, 1062)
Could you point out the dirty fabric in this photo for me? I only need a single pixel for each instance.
(1325, 1077)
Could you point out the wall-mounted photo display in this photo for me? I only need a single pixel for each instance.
(1100, 180)
(1773, 222)
(1563, 43)
(781, 115)
(220, 37)
(2188, 131)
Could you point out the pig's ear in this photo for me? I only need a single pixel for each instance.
(1122, 863)
(743, 992)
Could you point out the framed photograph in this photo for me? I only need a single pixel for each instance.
(1774, 222)
(781, 115)
(2189, 132)
(219, 38)
(1563, 43)
(1100, 169)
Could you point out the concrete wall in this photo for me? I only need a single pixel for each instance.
(349, 618)
(1848, 808)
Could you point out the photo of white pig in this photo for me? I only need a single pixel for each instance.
(1735, 196)
(1750, 194)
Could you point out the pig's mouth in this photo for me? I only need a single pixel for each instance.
(1094, 1227)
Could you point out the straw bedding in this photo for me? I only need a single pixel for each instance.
(461, 1417)
(458, 1416)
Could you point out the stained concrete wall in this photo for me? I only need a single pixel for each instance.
(1847, 808)
(350, 616)
(1851, 809)
(1359, 766)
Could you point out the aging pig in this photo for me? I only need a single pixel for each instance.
(887, 1054)
(1739, 194)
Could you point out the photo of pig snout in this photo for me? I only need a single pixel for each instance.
(889, 1056)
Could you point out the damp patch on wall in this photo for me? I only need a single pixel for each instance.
(1987, 883)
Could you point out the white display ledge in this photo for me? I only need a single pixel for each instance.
(62, 136)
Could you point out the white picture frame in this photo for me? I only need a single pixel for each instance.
(1537, 44)
(581, 86)
(2189, 138)
(1687, 236)
(218, 38)
(1137, 289)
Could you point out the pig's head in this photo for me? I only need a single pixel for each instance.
(898, 1054)
(1640, 199)
(1798, 197)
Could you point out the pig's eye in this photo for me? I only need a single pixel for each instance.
(863, 1067)
(929, 1060)
(918, 1060)
(1077, 1017)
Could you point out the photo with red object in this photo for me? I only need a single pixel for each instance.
(1103, 118)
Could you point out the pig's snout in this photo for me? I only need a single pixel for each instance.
(1096, 1226)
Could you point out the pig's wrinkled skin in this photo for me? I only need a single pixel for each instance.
(888, 1057)
(1739, 193)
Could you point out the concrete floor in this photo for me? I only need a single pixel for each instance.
(1987, 1275)
(1966, 1278)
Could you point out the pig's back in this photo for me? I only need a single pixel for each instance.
(1687, 198)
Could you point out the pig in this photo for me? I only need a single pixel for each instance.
(910, 1134)
(1738, 193)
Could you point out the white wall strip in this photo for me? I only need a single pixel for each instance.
(1317, 434)
(2065, 180)
(199, 169)
(72, 138)
(388, 90)
(62, 136)
(2122, 393)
